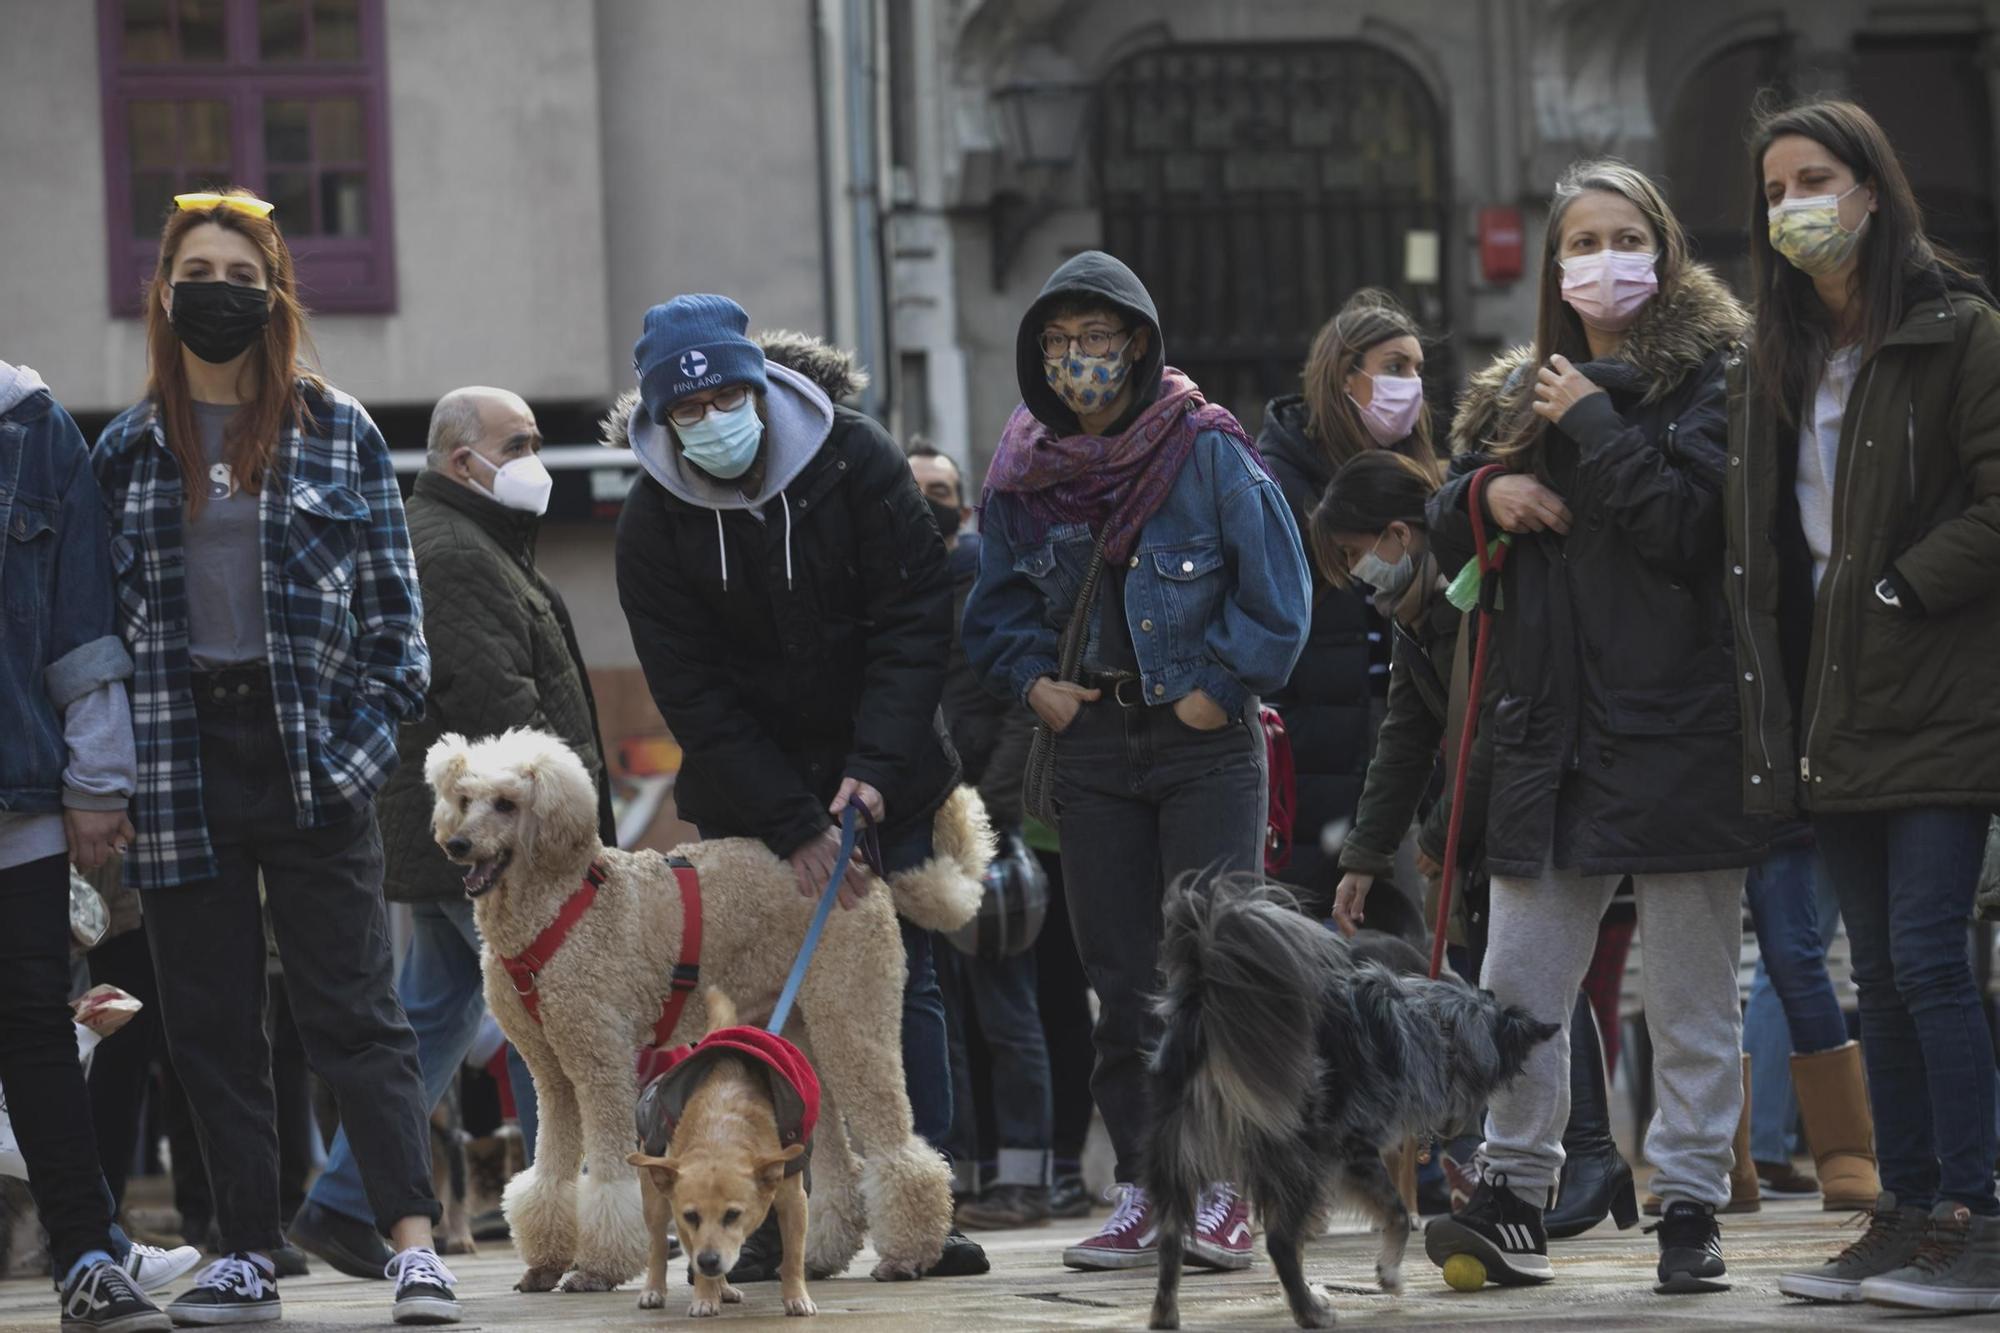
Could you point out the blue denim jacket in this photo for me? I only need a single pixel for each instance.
(58, 639)
(1217, 593)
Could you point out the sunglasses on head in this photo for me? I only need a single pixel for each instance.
(207, 201)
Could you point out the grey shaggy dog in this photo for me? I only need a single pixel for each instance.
(1288, 1062)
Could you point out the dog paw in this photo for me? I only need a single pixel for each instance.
(731, 1295)
(1391, 1278)
(701, 1309)
(800, 1305)
(539, 1279)
(652, 1298)
(896, 1270)
(578, 1279)
(1319, 1314)
(1169, 1317)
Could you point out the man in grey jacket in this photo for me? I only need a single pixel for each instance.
(503, 654)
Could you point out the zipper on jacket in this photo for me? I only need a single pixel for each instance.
(1835, 560)
(1762, 682)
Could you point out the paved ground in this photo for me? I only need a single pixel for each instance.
(1603, 1283)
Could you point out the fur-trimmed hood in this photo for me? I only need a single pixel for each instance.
(1671, 339)
(834, 370)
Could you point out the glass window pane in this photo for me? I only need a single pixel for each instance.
(337, 130)
(287, 132)
(150, 136)
(205, 134)
(336, 30)
(201, 30)
(152, 195)
(343, 201)
(281, 31)
(291, 193)
(147, 36)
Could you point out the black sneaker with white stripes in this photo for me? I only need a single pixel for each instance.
(104, 1299)
(238, 1288)
(423, 1288)
(1690, 1250)
(1500, 1229)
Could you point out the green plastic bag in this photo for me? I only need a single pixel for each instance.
(1463, 591)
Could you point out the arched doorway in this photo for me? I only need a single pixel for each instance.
(1254, 187)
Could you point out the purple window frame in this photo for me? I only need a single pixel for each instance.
(336, 274)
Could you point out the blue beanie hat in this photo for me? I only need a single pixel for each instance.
(693, 344)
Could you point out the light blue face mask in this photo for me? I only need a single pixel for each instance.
(724, 444)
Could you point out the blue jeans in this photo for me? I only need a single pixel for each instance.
(926, 1056)
(1906, 880)
(1781, 891)
(1000, 994)
(444, 996)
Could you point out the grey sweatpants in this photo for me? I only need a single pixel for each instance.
(1542, 934)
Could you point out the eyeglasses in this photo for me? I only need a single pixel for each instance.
(725, 400)
(208, 200)
(1097, 342)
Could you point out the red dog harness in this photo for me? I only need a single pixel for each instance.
(793, 1084)
(523, 967)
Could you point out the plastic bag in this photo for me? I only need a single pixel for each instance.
(100, 1011)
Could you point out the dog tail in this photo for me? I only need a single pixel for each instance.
(1241, 973)
(944, 892)
(721, 1009)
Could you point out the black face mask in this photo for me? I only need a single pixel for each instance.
(946, 516)
(218, 320)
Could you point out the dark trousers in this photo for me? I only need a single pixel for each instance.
(926, 1052)
(1145, 800)
(998, 996)
(1905, 880)
(1062, 997)
(323, 887)
(39, 1072)
(121, 1071)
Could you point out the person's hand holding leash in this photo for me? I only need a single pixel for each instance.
(812, 864)
(1519, 503)
(854, 789)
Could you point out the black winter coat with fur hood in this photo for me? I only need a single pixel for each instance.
(819, 653)
(1611, 702)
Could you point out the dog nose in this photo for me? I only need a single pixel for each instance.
(710, 1263)
(457, 847)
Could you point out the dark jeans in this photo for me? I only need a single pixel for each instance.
(1062, 995)
(999, 994)
(1905, 879)
(323, 888)
(39, 1072)
(1145, 800)
(926, 1054)
(121, 1071)
(1785, 910)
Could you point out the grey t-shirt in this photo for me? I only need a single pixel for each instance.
(224, 558)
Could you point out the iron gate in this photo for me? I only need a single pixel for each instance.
(1253, 188)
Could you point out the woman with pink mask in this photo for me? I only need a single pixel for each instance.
(1610, 705)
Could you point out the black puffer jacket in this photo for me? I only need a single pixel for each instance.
(1611, 700)
(1327, 703)
(797, 636)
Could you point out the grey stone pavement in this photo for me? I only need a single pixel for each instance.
(1603, 1283)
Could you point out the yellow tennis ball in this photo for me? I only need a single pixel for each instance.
(1464, 1272)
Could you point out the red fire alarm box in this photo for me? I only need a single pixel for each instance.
(1501, 244)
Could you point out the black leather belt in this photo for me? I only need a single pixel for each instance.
(1123, 688)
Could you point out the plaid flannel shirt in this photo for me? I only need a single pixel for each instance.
(344, 625)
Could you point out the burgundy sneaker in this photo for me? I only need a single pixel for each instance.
(1130, 1238)
(1221, 1230)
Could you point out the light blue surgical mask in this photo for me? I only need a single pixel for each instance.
(1389, 578)
(724, 444)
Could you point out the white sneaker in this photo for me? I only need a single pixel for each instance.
(423, 1288)
(152, 1268)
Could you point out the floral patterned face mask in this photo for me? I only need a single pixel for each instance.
(1808, 233)
(1087, 383)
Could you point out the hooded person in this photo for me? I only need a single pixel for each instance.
(1202, 606)
(791, 607)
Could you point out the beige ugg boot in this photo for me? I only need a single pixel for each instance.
(1833, 1099)
(1744, 1195)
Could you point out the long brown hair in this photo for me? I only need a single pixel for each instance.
(274, 402)
(1371, 491)
(1793, 332)
(1558, 329)
(1370, 317)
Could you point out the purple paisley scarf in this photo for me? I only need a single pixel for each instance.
(1115, 480)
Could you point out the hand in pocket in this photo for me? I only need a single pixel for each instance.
(1195, 709)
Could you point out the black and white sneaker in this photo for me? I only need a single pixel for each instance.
(152, 1268)
(1690, 1250)
(104, 1299)
(236, 1289)
(1498, 1228)
(423, 1288)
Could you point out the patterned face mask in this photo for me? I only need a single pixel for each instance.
(1808, 233)
(1087, 383)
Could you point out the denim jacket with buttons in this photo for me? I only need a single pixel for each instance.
(1217, 594)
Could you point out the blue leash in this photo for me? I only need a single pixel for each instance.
(850, 834)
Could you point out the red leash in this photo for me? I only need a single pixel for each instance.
(1489, 596)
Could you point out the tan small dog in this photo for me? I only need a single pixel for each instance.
(724, 1175)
